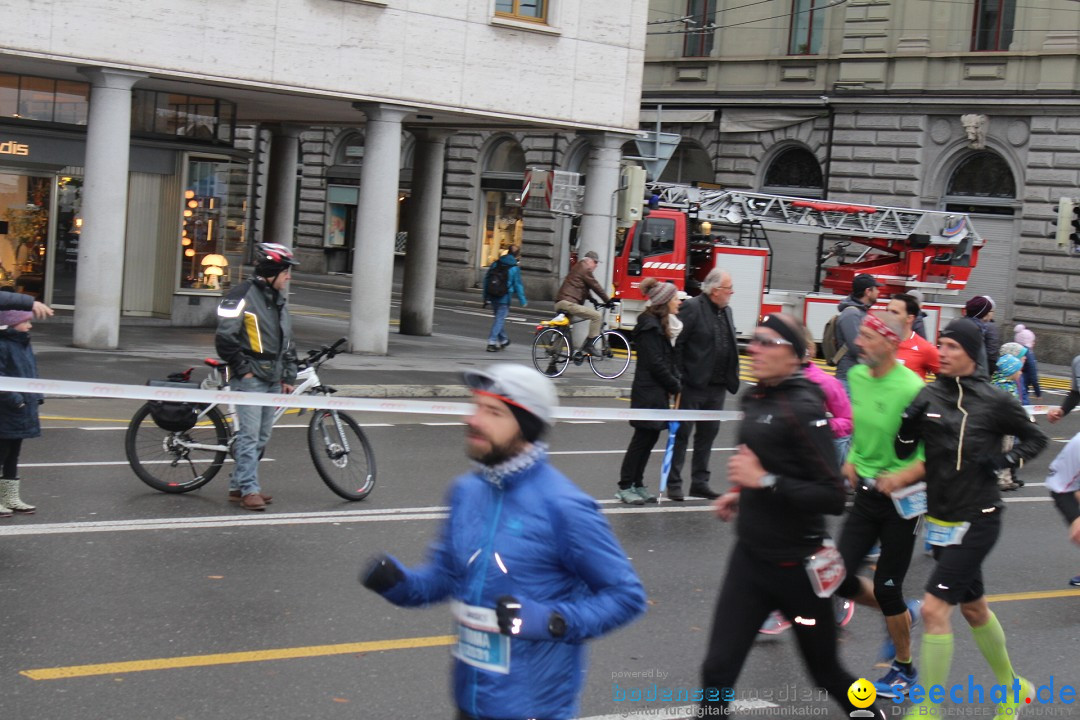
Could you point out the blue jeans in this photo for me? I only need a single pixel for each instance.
(256, 422)
(498, 334)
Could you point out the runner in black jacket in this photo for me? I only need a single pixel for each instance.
(789, 480)
(961, 420)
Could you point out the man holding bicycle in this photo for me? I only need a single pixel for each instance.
(254, 337)
(575, 290)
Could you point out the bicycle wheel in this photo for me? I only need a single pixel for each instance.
(342, 454)
(550, 352)
(610, 354)
(166, 461)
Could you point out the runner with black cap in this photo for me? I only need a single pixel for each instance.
(531, 567)
(961, 419)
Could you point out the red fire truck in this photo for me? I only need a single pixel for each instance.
(688, 231)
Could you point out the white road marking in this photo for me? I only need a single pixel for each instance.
(680, 712)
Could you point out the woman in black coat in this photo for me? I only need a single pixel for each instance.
(656, 381)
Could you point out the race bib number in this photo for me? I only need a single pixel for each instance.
(910, 502)
(943, 534)
(480, 644)
(826, 570)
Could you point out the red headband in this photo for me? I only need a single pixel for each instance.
(875, 323)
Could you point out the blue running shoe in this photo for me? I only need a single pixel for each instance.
(895, 679)
(1075, 582)
(888, 649)
(873, 555)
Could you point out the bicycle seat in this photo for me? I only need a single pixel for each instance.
(559, 319)
(215, 363)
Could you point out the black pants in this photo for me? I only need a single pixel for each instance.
(752, 589)
(710, 397)
(632, 472)
(873, 519)
(9, 458)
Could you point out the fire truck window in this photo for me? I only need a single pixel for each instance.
(657, 237)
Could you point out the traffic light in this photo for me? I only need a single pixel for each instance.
(1068, 222)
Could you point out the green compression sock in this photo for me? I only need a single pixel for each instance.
(937, 651)
(991, 641)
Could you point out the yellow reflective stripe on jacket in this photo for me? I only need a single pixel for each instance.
(251, 325)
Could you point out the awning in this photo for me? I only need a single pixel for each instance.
(746, 120)
(648, 117)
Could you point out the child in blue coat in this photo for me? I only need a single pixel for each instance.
(18, 411)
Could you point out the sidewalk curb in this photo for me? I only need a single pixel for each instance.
(460, 391)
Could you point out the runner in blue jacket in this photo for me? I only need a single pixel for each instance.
(531, 566)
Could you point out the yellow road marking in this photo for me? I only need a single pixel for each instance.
(85, 419)
(188, 661)
(1036, 595)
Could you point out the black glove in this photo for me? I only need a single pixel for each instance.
(529, 620)
(381, 574)
(1004, 461)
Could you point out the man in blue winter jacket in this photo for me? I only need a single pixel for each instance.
(531, 567)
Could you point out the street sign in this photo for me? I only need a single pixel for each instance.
(656, 149)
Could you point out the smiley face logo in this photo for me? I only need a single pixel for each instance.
(862, 693)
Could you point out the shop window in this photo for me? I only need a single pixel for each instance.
(44, 99)
(700, 25)
(688, 164)
(501, 182)
(178, 115)
(807, 24)
(795, 172)
(993, 26)
(213, 224)
(24, 232)
(532, 10)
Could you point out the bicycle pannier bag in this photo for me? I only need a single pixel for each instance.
(498, 280)
(173, 416)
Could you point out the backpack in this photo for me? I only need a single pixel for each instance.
(831, 347)
(498, 280)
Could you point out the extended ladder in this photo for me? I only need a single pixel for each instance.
(778, 212)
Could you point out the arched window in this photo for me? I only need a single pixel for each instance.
(350, 150)
(796, 172)
(500, 186)
(688, 164)
(982, 174)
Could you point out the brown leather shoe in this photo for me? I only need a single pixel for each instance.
(253, 501)
(234, 496)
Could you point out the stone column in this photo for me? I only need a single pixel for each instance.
(281, 185)
(104, 209)
(376, 228)
(597, 230)
(422, 249)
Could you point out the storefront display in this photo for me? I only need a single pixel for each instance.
(24, 232)
(213, 224)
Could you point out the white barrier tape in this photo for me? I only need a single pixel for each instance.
(328, 402)
(1038, 409)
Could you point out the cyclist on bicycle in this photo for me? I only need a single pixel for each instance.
(254, 336)
(575, 290)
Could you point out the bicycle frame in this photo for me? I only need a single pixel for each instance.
(307, 379)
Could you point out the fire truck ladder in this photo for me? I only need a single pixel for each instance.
(778, 212)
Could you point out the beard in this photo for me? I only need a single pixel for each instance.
(496, 453)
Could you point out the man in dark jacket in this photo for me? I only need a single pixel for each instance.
(254, 336)
(980, 309)
(853, 309)
(575, 290)
(529, 563)
(787, 479)
(709, 365)
(961, 420)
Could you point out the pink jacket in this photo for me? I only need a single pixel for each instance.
(836, 400)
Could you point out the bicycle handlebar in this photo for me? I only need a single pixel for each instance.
(324, 353)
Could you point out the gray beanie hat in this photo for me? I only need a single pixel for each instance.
(659, 293)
